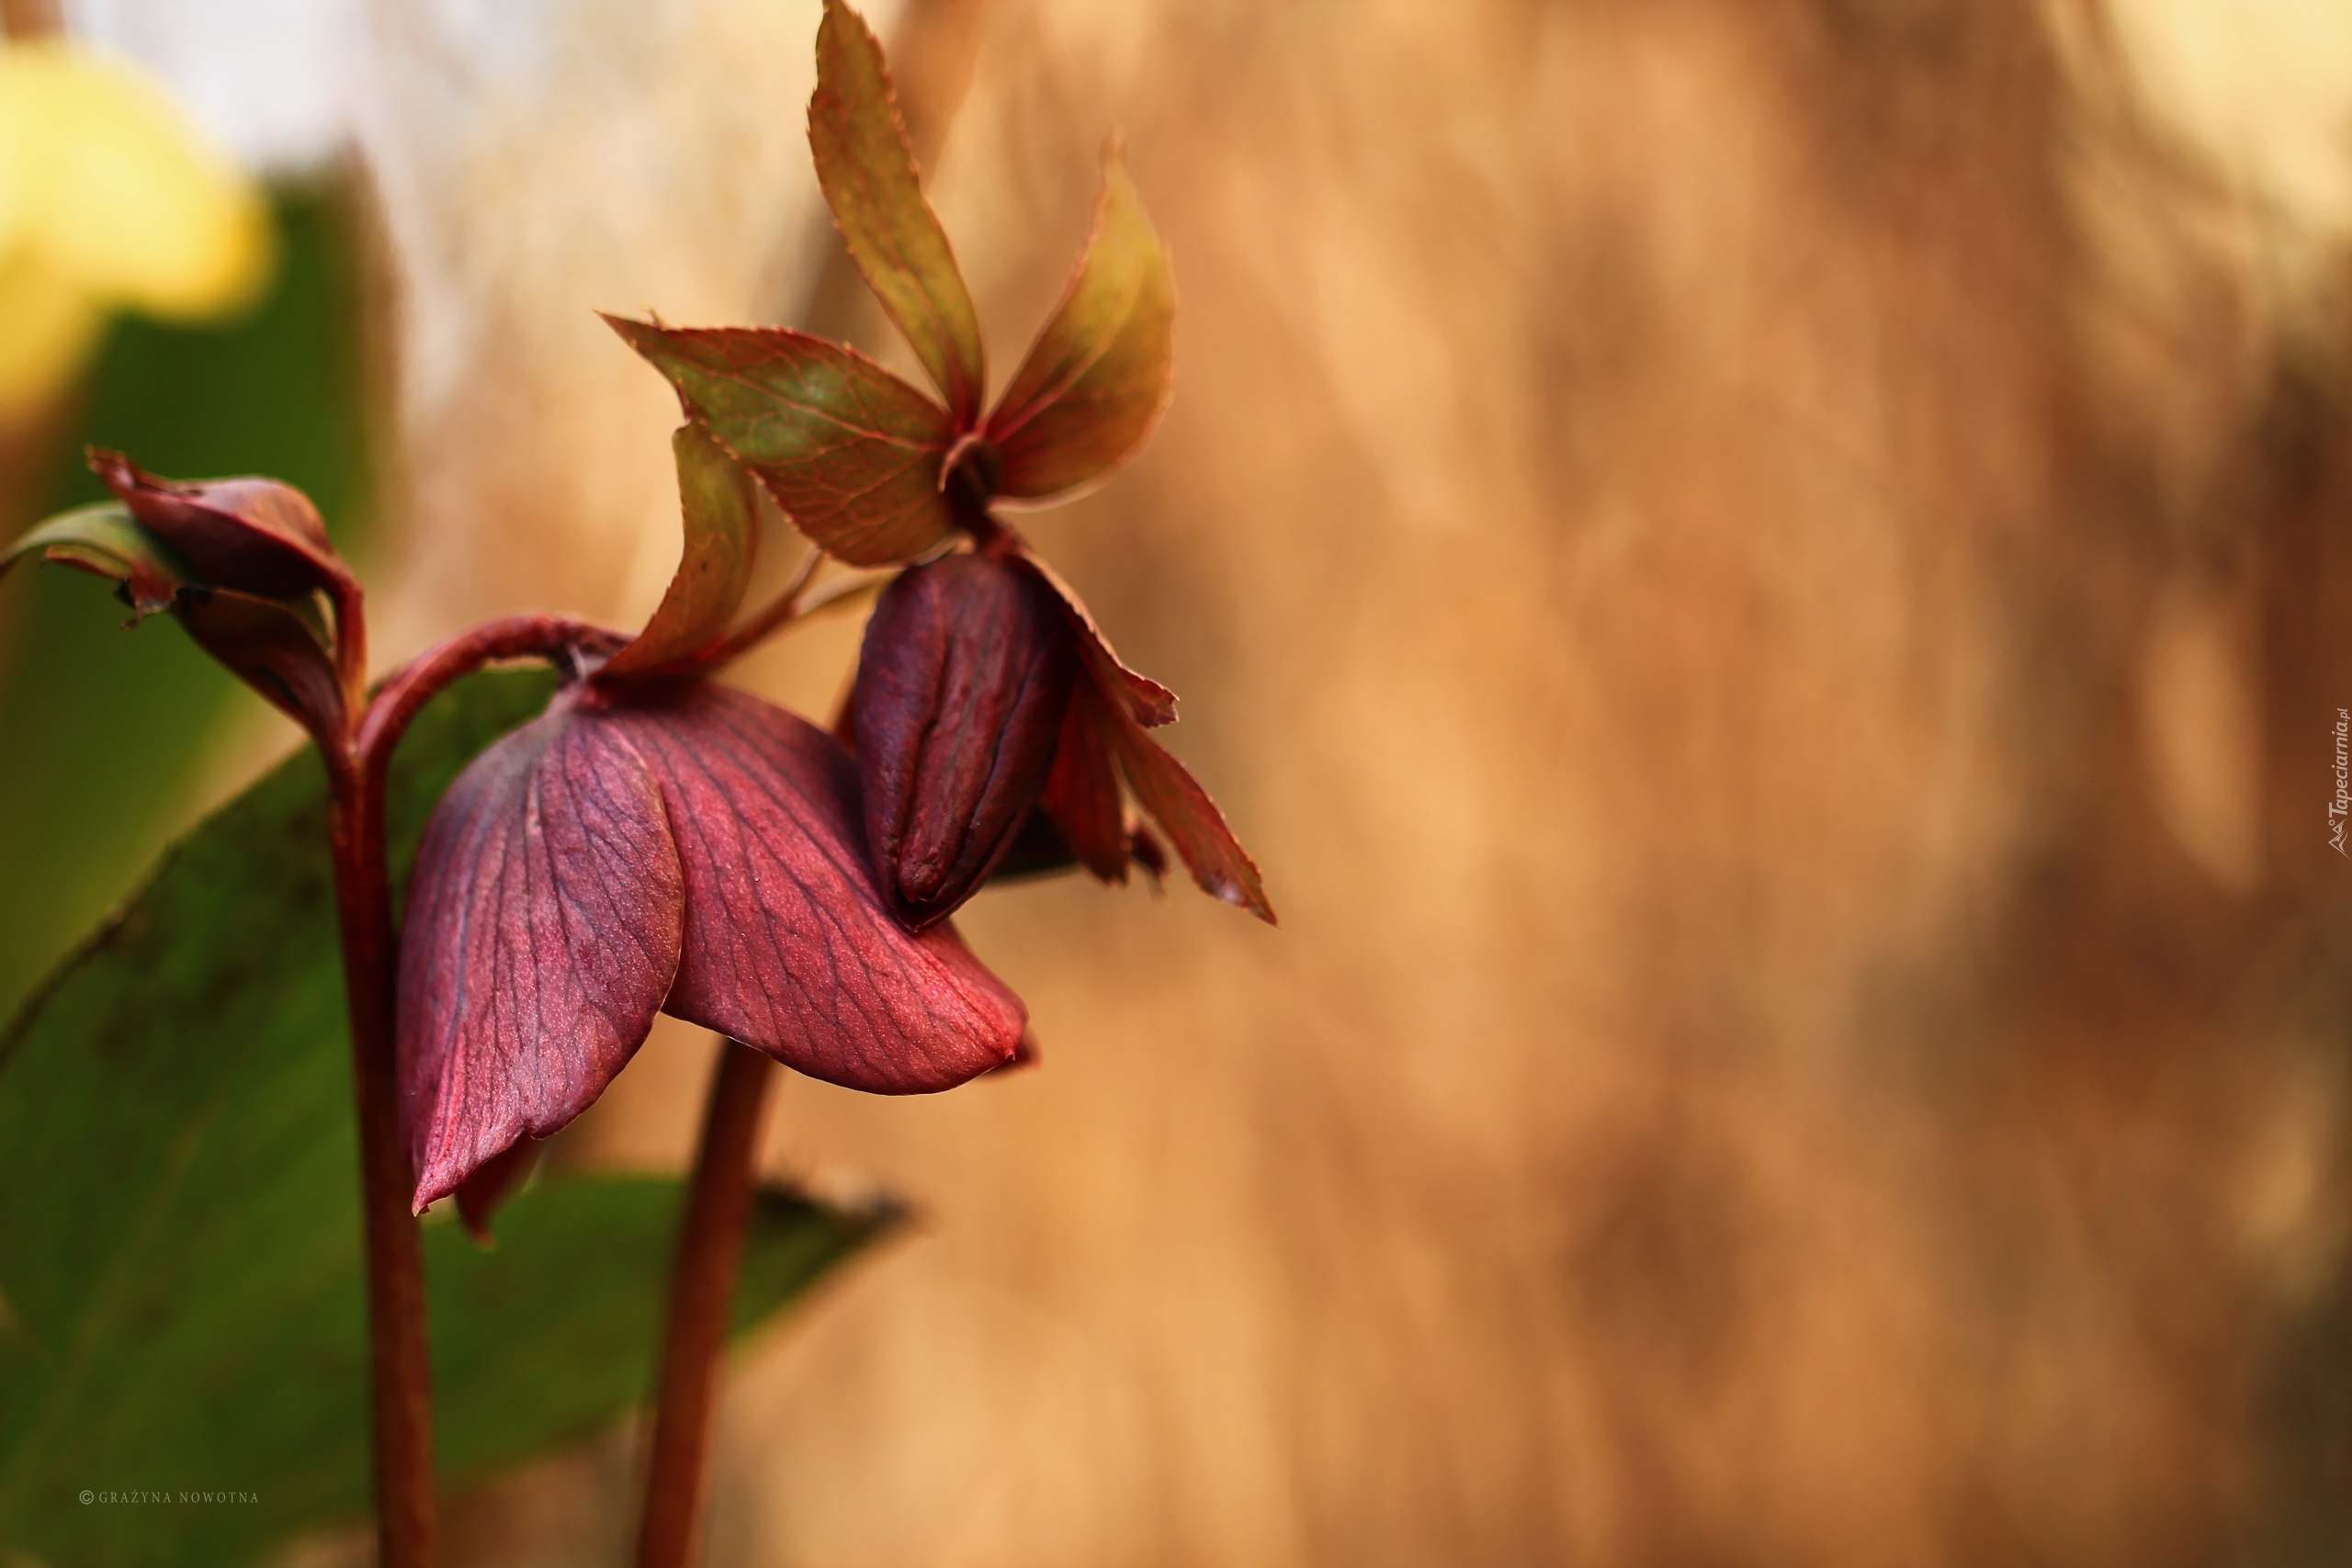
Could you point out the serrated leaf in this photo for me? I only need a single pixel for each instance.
(179, 1248)
(722, 535)
(1094, 385)
(867, 173)
(850, 452)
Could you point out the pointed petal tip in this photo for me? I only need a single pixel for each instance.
(1240, 897)
(1025, 1056)
(492, 1182)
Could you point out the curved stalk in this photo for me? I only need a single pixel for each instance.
(702, 1294)
(404, 693)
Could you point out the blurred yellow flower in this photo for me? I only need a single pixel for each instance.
(110, 198)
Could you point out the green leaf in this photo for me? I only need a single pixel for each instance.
(850, 452)
(540, 1341)
(722, 527)
(179, 1249)
(102, 540)
(867, 173)
(1094, 383)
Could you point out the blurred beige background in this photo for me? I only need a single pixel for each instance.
(1767, 579)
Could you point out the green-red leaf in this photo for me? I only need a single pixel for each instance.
(850, 452)
(867, 173)
(280, 647)
(104, 541)
(1096, 379)
(722, 527)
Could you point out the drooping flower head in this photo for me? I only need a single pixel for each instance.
(243, 564)
(656, 843)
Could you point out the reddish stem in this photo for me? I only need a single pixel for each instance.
(400, 1359)
(406, 1521)
(702, 1295)
(405, 692)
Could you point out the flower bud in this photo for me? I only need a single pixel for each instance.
(250, 536)
(966, 672)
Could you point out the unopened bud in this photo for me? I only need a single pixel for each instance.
(966, 672)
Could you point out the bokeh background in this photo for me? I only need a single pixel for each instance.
(1769, 580)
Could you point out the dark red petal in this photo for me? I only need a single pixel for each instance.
(1151, 703)
(961, 685)
(544, 924)
(789, 946)
(1082, 790)
(274, 648)
(256, 536)
(1023, 1056)
(480, 1195)
(1184, 811)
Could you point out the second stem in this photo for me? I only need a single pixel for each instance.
(702, 1296)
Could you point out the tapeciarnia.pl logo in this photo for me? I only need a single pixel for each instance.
(2340, 807)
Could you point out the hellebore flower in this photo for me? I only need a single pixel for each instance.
(243, 564)
(655, 842)
(109, 199)
(949, 720)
